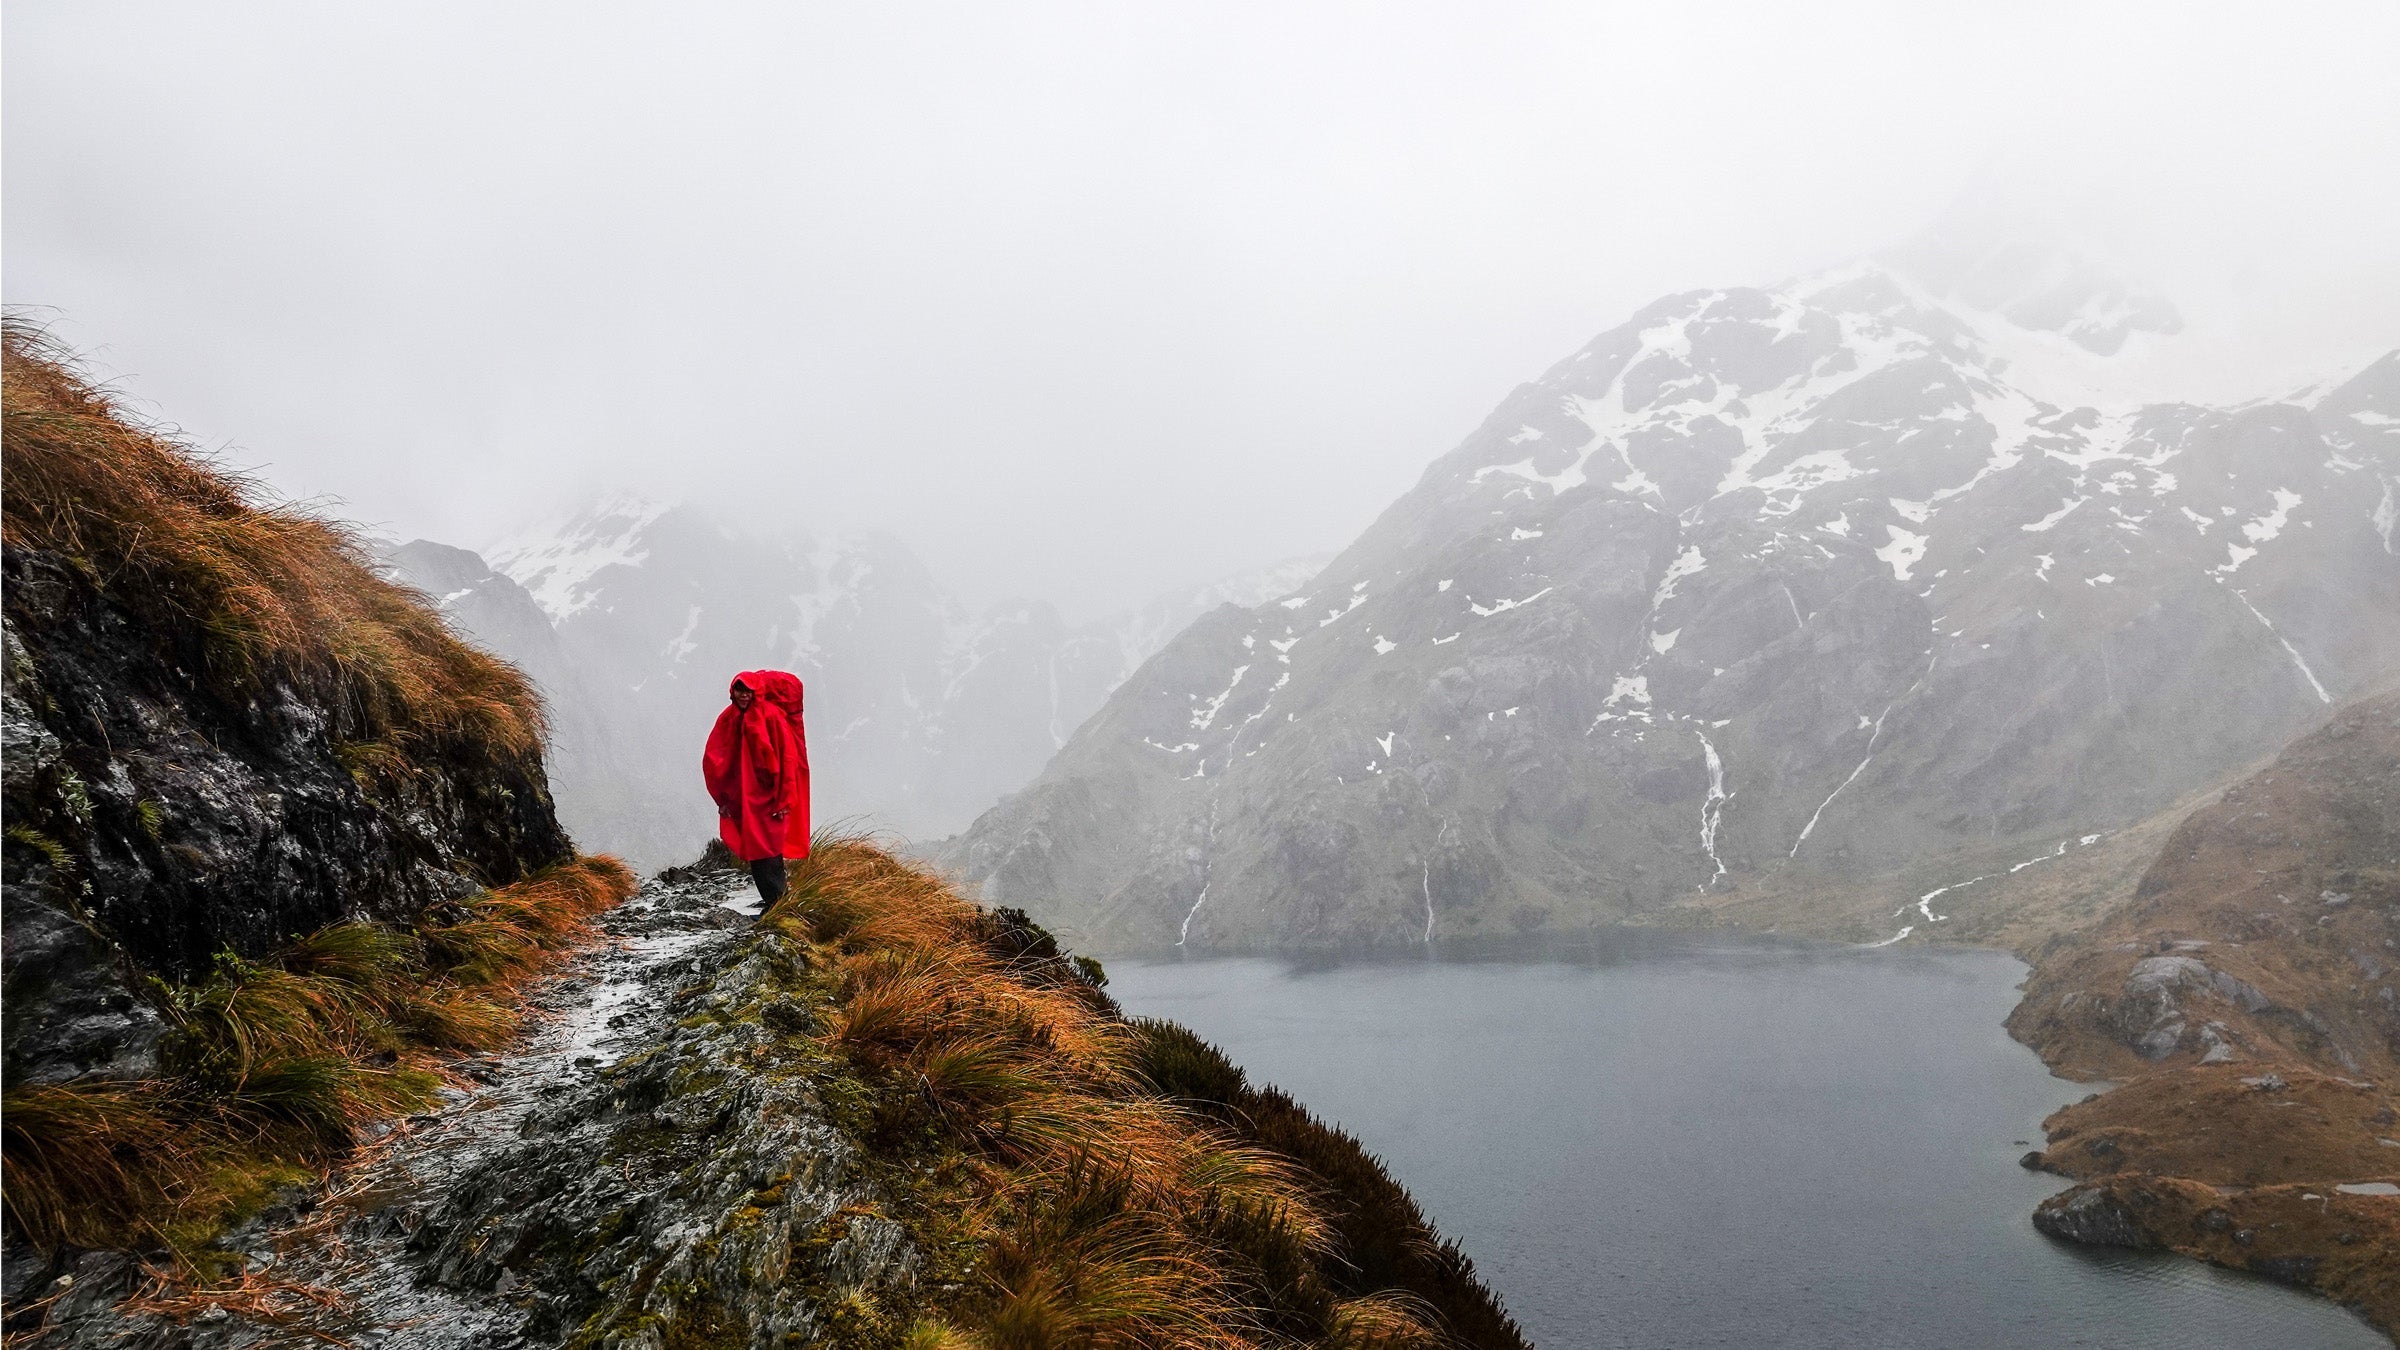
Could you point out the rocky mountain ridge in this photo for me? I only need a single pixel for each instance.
(633, 614)
(1843, 588)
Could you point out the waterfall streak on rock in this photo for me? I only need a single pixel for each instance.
(1207, 860)
(1872, 741)
(1426, 864)
(1924, 902)
(2289, 649)
(1712, 810)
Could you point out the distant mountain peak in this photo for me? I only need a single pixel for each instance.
(632, 610)
(1762, 588)
(556, 562)
(2038, 287)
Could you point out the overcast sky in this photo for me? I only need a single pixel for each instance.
(1083, 300)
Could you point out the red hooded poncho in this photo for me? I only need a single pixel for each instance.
(756, 766)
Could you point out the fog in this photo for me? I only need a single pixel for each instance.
(1083, 301)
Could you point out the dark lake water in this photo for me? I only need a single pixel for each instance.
(1722, 1145)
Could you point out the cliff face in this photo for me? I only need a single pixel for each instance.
(2246, 996)
(223, 730)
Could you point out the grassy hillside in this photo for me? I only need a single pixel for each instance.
(280, 844)
(2244, 997)
(260, 594)
(277, 840)
(1122, 1183)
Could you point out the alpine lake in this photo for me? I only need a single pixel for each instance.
(1669, 1141)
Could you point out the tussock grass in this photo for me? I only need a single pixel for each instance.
(273, 1066)
(502, 936)
(1087, 1265)
(1392, 1260)
(1111, 1215)
(80, 1159)
(275, 591)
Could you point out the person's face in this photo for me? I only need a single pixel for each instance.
(741, 699)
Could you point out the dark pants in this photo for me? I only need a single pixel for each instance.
(768, 873)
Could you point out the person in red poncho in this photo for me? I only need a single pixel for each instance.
(756, 766)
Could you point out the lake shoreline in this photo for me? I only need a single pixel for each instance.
(1665, 1089)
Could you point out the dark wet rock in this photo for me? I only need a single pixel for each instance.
(73, 1009)
(699, 1177)
(2092, 1215)
(82, 1290)
(2299, 1270)
(697, 1180)
(157, 817)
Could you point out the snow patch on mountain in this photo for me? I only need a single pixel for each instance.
(1746, 511)
(556, 564)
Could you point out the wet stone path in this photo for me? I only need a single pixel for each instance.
(350, 1242)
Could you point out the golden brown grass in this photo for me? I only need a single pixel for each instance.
(1110, 1216)
(500, 937)
(274, 589)
(274, 1065)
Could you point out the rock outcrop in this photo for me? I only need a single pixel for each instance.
(702, 1180)
(223, 729)
(2266, 933)
(275, 838)
(2244, 995)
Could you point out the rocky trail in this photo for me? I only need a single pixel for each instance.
(344, 1263)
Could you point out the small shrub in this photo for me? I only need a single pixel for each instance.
(501, 936)
(1387, 1246)
(447, 1018)
(53, 852)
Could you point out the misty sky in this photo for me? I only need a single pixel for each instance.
(1085, 300)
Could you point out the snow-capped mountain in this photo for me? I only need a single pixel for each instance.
(634, 615)
(1869, 574)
